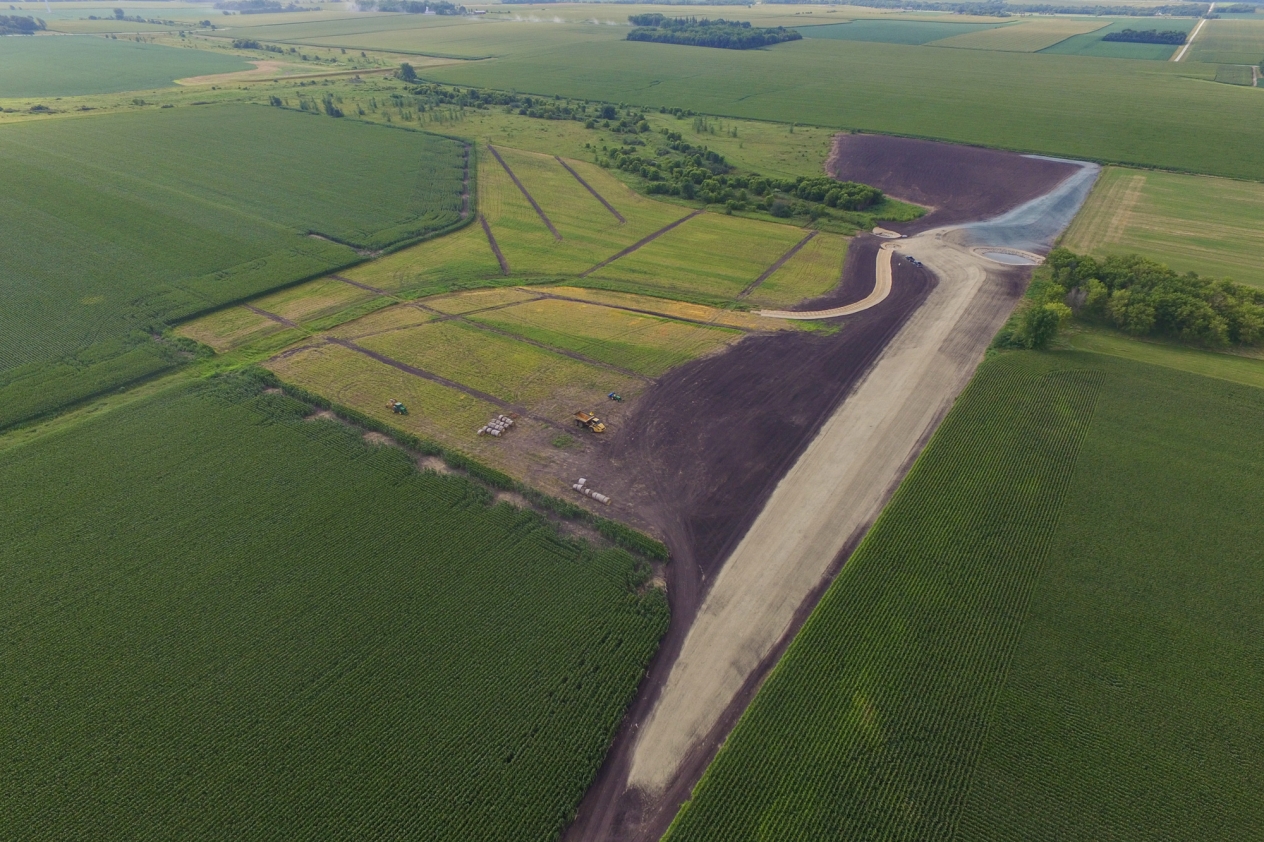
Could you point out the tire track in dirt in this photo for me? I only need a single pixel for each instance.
(383, 293)
(539, 210)
(273, 316)
(781, 261)
(644, 241)
(591, 190)
(500, 256)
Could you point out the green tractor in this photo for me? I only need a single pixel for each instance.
(397, 407)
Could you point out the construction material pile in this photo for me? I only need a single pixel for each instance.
(588, 492)
(498, 426)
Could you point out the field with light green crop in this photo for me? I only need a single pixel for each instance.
(81, 64)
(1091, 43)
(1046, 635)
(120, 223)
(1229, 42)
(224, 616)
(1027, 36)
(1212, 226)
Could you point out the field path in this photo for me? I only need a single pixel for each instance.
(830, 495)
(1180, 54)
(539, 210)
(282, 320)
(644, 241)
(881, 289)
(781, 261)
(491, 240)
(591, 190)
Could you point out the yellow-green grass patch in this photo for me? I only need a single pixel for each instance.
(461, 258)
(711, 257)
(229, 328)
(1029, 36)
(383, 321)
(1212, 226)
(467, 302)
(357, 381)
(648, 345)
(672, 309)
(313, 299)
(515, 372)
(814, 270)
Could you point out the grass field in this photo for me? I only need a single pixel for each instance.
(1091, 44)
(1211, 226)
(1027, 36)
(79, 65)
(224, 616)
(701, 259)
(1245, 370)
(1229, 42)
(1235, 74)
(894, 31)
(814, 270)
(1150, 113)
(1046, 635)
(114, 224)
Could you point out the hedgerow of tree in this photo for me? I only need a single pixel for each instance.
(703, 32)
(18, 25)
(1139, 296)
(1146, 36)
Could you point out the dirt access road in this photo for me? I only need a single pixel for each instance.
(788, 478)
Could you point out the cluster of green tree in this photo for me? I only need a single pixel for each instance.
(1146, 36)
(703, 32)
(999, 8)
(1139, 296)
(251, 44)
(17, 25)
(260, 7)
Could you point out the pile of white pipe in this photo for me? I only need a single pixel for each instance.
(588, 492)
(498, 426)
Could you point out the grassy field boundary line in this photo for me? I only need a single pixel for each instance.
(364, 287)
(465, 184)
(539, 210)
(281, 320)
(781, 261)
(574, 355)
(641, 312)
(646, 240)
(491, 241)
(591, 189)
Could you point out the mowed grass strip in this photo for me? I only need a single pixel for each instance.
(1212, 226)
(462, 258)
(1028, 36)
(515, 372)
(239, 618)
(229, 328)
(814, 270)
(711, 257)
(648, 345)
(655, 305)
(466, 302)
(1229, 42)
(312, 300)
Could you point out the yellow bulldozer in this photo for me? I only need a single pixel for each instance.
(590, 421)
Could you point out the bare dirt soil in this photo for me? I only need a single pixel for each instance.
(704, 456)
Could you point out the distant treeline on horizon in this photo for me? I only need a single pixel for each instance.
(998, 8)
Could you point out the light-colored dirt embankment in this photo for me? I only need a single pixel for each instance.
(833, 492)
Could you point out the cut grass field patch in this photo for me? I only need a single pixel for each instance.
(1047, 634)
(645, 344)
(1029, 36)
(1212, 226)
(710, 257)
(814, 270)
(1229, 42)
(229, 328)
(467, 302)
(312, 300)
(77, 65)
(1235, 74)
(893, 31)
(438, 265)
(654, 305)
(223, 615)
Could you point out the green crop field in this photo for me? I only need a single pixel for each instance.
(1151, 113)
(1235, 74)
(648, 345)
(1229, 42)
(118, 222)
(81, 64)
(223, 619)
(1091, 44)
(1048, 634)
(814, 270)
(1212, 226)
(1028, 36)
(893, 31)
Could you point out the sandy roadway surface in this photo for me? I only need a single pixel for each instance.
(834, 490)
(881, 289)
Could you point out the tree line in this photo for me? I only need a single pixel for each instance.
(1146, 36)
(18, 25)
(703, 32)
(998, 8)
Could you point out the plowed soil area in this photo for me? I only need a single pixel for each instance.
(959, 183)
(708, 444)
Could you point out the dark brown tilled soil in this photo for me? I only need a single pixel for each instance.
(959, 183)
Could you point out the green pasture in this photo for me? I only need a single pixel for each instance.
(220, 618)
(1248, 371)
(1229, 42)
(1091, 43)
(76, 65)
(119, 223)
(1235, 74)
(1048, 634)
(893, 31)
(1212, 226)
(1152, 113)
(1029, 35)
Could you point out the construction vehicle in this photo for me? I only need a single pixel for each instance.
(397, 407)
(590, 421)
(615, 396)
